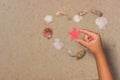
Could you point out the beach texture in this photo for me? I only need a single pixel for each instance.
(25, 54)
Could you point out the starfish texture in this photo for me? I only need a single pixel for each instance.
(74, 34)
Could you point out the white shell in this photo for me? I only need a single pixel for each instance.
(58, 44)
(70, 53)
(48, 19)
(101, 22)
(77, 18)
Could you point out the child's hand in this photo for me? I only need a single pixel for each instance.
(92, 41)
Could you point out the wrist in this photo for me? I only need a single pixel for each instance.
(98, 50)
(99, 54)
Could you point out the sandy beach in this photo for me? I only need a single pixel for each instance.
(25, 54)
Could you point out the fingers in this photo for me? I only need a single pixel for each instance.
(86, 38)
(87, 32)
(90, 38)
(82, 42)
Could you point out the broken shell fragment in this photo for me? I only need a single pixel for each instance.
(101, 22)
(82, 13)
(48, 33)
(80, 54)
(58, 44)
(77, 18)
(48, 19)
(97, 13)
(60, 13)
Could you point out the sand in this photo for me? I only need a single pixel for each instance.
(26, 55)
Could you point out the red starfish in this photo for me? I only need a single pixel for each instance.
(74, 34)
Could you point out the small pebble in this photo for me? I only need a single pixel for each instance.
(77, 18)
(48, 19)
(101, 22)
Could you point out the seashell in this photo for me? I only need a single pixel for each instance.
(70, 53)
(48, 19)
(48, 33)
(80, 54)
(58, 44)
(77, 18)
(60, 13)
(97, 12)
(82, 13)
(101, 22)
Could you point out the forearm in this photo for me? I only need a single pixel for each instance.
(103, 68)
(92, 41)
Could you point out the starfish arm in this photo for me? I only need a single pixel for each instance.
(69, 33)
(72, 38)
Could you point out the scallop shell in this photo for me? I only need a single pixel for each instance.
(48, 33)
(101, 22)
(97, 12)
(48, 19)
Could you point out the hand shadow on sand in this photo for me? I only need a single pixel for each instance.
(109, 53)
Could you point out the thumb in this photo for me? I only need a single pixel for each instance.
(82, 42)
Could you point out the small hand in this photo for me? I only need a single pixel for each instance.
(92, 41)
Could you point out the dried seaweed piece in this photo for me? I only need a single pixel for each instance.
(82, 13)
(80, 54)
(97, 12)
(48, 33)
